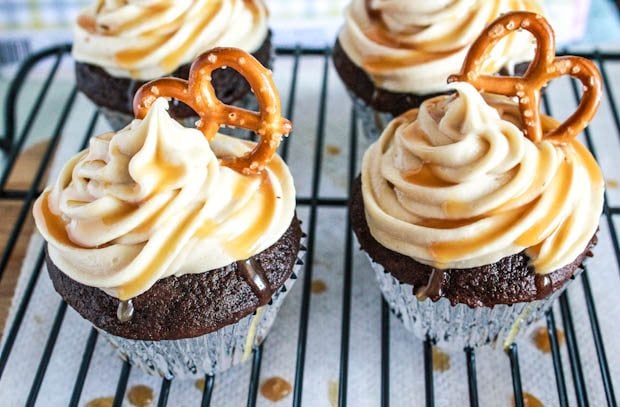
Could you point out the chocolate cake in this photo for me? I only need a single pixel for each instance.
(190, 305)
(361, 85)
(507, 281)
(117, 94)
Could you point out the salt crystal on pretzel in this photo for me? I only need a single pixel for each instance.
(198, 93)
(544, 67)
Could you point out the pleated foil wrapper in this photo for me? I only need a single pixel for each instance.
(373, 121)
(211, 353)
(460, 326)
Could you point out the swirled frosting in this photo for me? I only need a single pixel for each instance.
(413, 45)
(456, 184)
(153, 201)
(145, 39)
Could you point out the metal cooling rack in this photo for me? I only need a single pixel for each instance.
(16, 137)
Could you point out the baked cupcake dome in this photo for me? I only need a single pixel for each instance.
(476, 201)
(394, 55)
(160, 233)
(119, 47)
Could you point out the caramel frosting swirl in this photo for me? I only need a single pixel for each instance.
(153, 201)
(413, 45)
(146, 39)
(456, 184)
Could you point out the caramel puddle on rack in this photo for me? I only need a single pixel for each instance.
(318, 286)
(200, 384)
(441, 360)
(332, 149)
(332, 393)
(275, 388)
(101, 402)
(529, 400)
(612, 183)
(140, 395)
(541, 339)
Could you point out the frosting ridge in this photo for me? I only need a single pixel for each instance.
(144, 39)
(153, 201)
(412, 46)
(456, 184)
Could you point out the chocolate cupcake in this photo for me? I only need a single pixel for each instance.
(118, 46)
(475, 210)
(178, 245)
(393, 55)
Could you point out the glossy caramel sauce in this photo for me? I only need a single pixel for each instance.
(540, 337)
(275, 388)
(612, 183)
(140, 395)
(441, 360)
(55, 226)
(529, 400)
(87, 23)
(318, 286)
(424, 176)
(101, 402)
(200, 384)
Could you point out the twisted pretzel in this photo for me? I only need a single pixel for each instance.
(198, 93)
(544, 67)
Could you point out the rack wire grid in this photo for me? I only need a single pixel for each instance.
(571, 386)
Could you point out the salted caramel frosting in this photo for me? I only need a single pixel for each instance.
(411, 46)
(153, 200)
(456, 184)
(145, 39)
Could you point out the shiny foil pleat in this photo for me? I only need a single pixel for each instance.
(207, 354)
(459, 326)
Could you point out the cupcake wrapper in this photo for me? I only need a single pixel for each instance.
(373, 121)
(459, 326)
(210, 353)
(118, 120)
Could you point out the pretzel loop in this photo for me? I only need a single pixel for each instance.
(198, 93)
(543, 68)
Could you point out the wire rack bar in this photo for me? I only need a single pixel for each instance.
(515, 370)
(164, 391)
(573, 347)
(307, 280)
(207, 391)
(429, 383)
(385, 353)
(472, 382)
(87, 356)
(256, 363)
(121, 384)
(556, 357)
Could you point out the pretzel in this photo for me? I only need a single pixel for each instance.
(544, 67)
(199, 94)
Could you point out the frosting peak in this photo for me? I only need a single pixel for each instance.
(153, 201)
(413, 45)
(456, 184)
(144, 39)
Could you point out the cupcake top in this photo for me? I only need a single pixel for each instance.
(157, 199)
(411, 46)
(457, 184)
(146, 39)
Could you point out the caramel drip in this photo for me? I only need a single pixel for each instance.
(124, 211)
(441, 360)
(130, 57)
(87, 22)
(587, 161)
(265, 199)
(147, 14)
(133, 287)
(100, 402)
(540, 337)
(275, 388)
(433, 289)
(200, 384)
(542, 229)
(140, 395)
(318, 286)
(530, 400)
(256, 277)
(544, 284)
(445, 252)
(425, 177)
(54, 224)
(167, 173)
(171, 61)
(125, 311)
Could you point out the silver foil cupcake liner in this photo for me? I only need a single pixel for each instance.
(373, 121)
(211, 353)
(118, 120)
(459, 326)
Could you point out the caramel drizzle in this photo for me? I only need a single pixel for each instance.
(256, 277)
(199, 94)
(544, 67)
